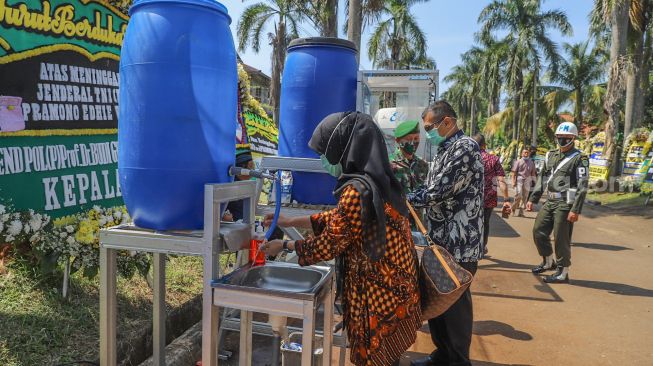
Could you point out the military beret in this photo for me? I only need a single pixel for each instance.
(406, 128)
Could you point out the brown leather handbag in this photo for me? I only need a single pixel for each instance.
(441, 279)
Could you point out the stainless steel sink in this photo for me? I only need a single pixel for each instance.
(282, 278)
(277, 277)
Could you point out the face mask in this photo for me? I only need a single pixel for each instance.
(565, 141)
(336, 170)
(435, 138)
(409, 147)
(333, 170)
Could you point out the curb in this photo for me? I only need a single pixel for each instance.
(183, 351)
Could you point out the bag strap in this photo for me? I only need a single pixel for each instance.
(422, 229)
(420, 226)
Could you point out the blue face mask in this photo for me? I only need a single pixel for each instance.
(333, 170)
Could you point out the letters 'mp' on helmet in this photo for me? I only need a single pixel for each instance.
(567, 128)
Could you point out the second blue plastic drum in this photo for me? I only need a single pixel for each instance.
(319, 78)
(177, 116)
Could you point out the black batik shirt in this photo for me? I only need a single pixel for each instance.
(454, 198)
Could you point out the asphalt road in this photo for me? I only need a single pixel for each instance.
(603, 317)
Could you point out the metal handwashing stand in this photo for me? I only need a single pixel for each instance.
(209, 244)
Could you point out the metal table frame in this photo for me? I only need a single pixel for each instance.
(302, 306)
(204, 243)
(207, 244)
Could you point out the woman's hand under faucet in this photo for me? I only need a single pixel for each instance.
(274, 247)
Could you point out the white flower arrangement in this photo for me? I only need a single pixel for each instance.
(74, 238)
(26, 226)
(15, 227)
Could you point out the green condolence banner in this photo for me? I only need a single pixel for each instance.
(60, 175)
(59, 65)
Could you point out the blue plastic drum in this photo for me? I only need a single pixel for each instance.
(319, 78)
(178, 105)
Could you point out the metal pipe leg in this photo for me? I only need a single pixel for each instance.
(210, 318)
(308, 333)
(328, 326)
(245, 355)
(159, 305)
(343, 350)
(108, 308)
(276, 350)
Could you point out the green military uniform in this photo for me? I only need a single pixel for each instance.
(570, 172)
(410, 173)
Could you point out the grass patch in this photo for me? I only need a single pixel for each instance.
(617, 199)
(39, 327)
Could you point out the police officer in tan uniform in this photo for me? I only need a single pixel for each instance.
(563, 181)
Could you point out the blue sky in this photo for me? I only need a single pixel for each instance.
(449, 25)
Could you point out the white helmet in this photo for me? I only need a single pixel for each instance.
(567, 128)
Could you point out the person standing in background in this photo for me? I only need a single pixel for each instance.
(564, 180)
(409, 169)
(494, 176)
(523, 176)
(235, 209)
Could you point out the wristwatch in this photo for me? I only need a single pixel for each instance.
(285, 246)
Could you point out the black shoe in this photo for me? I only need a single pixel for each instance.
(543, 267)
(424, 361)
(557, 277)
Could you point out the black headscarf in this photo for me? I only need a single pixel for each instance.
(355, 141)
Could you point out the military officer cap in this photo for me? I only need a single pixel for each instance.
(406, 128)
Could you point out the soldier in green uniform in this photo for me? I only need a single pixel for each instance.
(563, 181)
(409, 169)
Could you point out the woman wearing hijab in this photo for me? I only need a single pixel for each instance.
(369, 235)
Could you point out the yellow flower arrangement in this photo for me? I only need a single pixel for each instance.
(249, 103)
(77, 237)
(86, 232)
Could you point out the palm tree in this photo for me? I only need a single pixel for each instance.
(492, 57)
(466, 78)
(409, 61)
(285, 16)
(640, 23)
(398, 39)
(322, 14)
(360, 13)
(578, 73)
(458, 95)
(614, 13)
(527, 40)
(644, 85)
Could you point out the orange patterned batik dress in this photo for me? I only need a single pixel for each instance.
(381, 298)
